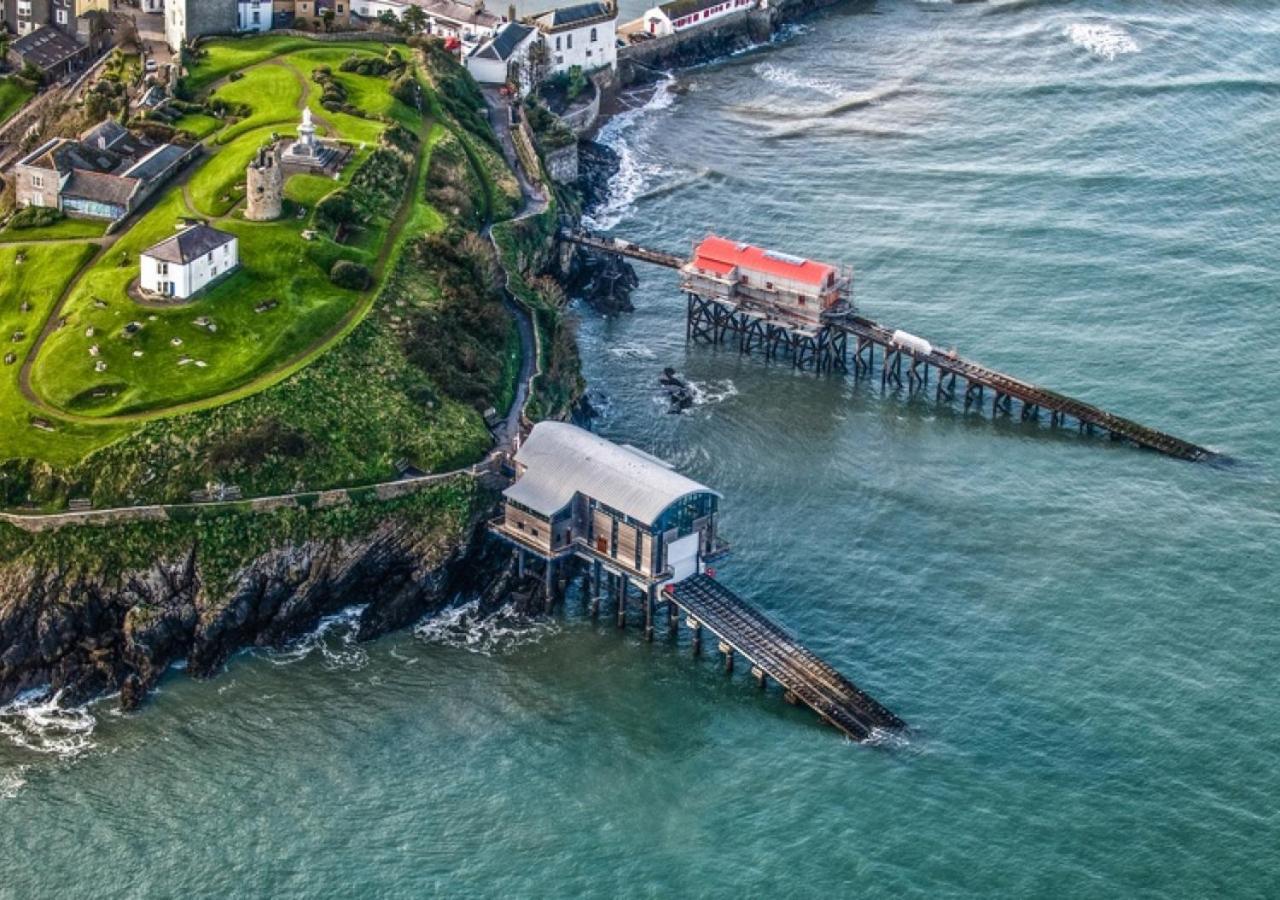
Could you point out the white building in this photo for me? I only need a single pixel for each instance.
(499, 59)
(254, 15)
(681, 15)
(189, 261)
(470, 24)
(372, 9)
(153, 6)
(585, 35)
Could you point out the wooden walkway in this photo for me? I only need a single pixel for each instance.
(824, 349)
(776, 654)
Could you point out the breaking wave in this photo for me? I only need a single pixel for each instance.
(709, 393)
(37, 721)
(467, 627)
(1100, 39)
(629, 182)
(790, 78)
(334, 639)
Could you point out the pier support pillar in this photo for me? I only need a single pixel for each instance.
(622, 601)
(648, 614)
(728, 657)
(520, 564)
(594, 597)
(548, 601)
(762, 680)
(673, 619)
(696, 627)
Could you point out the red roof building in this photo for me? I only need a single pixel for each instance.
(766, 280)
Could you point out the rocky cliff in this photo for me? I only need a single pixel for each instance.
(87, 629)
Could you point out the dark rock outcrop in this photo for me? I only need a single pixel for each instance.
(87, 634)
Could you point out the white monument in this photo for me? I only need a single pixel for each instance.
(306, 151)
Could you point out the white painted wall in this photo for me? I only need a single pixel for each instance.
(190, 278)
(371, 9)
(682, 557)
(575, 47)
(254, 15)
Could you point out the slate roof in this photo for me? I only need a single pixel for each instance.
(155, 163)
(189, 245)
(562, 460)
(95, 186)
(573, 16)
(460, 13)
(64, 154)
(503, 45)
(46, 47)
(105, 134)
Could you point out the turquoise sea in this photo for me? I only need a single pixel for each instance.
(1083, 636)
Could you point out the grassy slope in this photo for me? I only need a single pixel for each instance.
(13, 96)
(62, 230)
(273, 93)
(38, 281)
(357, 409)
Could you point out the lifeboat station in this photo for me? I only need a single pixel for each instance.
(634, 526)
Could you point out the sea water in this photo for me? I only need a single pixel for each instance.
(1083, 636)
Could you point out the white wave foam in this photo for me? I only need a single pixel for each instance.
(706, 393)
(1102, 40)
(12, 782)
(790, 78)
(632, 351)
(629, 182)
(37, 721)
(466, 628)
(334, 639)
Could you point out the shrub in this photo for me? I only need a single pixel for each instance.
(350, 275)
(336, 210)
(35, 217)
(405, 89)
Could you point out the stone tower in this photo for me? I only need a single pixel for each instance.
(264, 185)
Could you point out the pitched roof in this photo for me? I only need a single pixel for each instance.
(100, 188)
(65, 154)
(562, 460)
(505, 43)
(717, 253)
(460, 13)
(105, 135)
(46, 47)
(573, 16)
(155, 163)
(189, 245)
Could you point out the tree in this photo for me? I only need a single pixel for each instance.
(415, 19)
(537, 66)
(390, 20)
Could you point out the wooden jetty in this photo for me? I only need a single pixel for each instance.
(815, 327)
(773, 653)
(635, 527)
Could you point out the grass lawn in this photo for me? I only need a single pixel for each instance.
(38, 281)
(272, 91)
(62, 230)
(198, 125)
(215, 185)
(13, 96)
(276, 264)
(366, 92)
(425, 218)
(226, 56)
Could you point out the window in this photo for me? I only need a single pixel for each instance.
(557, 42)
(594, 37)
(62, 17)
(37, 181)
(568, 42)
(162, 268)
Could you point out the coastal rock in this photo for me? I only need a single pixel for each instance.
(597, 164)
(603, 280)
(87, 634)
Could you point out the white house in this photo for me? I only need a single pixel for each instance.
(254, 15)
(372, 9)
(681, 15)
(499, 59)
(189, 261)
(585, 35)
(469, 23)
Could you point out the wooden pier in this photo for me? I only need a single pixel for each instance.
(774, 654)
(843, 341)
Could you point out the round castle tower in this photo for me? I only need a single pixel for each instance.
(264, 185)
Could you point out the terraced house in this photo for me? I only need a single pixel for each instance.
(105, 174)
(584, 36)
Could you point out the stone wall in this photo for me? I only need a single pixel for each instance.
(562, 164)
(649, 60)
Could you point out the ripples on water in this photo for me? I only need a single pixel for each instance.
(1081, 635)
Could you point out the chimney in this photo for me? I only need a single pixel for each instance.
(511, 13)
